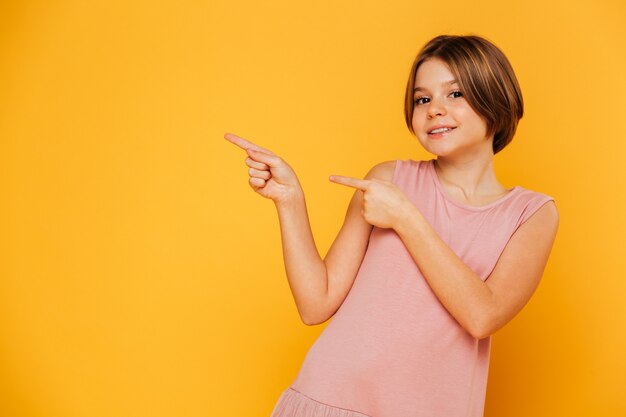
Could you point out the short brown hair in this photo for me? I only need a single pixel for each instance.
(486, 79)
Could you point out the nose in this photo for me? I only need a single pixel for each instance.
(435, 107)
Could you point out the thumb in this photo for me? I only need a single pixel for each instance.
(266, 158)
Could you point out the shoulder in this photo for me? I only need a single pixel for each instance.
(386, 170)
(382, 171)
(538, 232)
(547, 214)
(541, 209)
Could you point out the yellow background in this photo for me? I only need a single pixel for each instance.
(141, 276)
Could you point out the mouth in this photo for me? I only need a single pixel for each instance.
(439, 132)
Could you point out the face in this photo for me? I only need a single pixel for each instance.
(438, 101)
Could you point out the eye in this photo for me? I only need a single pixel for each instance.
(418, 100)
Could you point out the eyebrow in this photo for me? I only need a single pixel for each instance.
(444, 83)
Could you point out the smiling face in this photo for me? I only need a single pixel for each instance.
(438, 101)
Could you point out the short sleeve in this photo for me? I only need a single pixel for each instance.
(396, 171)
(534, 204)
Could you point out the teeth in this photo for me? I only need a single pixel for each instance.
(441, 129)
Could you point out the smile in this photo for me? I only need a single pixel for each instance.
(440, 133)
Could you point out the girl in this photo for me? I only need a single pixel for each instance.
(433, 258)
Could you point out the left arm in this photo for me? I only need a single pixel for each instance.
(481, 307)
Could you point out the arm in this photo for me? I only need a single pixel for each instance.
(306, 272)
(482, 307)
(320, 286)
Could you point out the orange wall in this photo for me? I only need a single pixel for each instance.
(141, 276)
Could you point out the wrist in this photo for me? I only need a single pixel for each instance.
(407, 219)
(289, 201)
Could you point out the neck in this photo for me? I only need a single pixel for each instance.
(473, 177)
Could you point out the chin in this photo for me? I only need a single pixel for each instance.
(442, 151)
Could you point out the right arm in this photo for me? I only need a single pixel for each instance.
(319, 286)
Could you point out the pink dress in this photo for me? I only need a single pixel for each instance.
(392, 349)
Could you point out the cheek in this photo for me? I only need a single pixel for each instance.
(418, 125)
(415, 121)
(472, 118)
(419, 117)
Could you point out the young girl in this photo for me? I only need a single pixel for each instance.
(433, 258)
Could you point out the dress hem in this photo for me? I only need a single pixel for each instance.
(293, 403)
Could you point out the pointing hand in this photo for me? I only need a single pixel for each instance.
(270, 176)
(384, 204)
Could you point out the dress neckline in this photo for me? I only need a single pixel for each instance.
(444, 193)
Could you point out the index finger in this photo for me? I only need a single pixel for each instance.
(244, 144)
(350, 181)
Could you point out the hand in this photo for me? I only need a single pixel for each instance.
(384, 204)
(270, 176)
